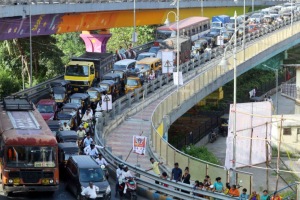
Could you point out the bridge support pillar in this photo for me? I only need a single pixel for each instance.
(95, 42)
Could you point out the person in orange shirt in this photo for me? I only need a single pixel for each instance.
(234, 191)
(276, 196)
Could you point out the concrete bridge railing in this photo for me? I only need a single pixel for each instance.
(208, 80)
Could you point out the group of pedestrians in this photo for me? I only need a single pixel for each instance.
(177, 175)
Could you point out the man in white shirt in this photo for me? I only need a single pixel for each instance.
(87, 116)
(91, 150)
(125, 175)
(90, 191)
(101, 161)
(66, 127)
(87, 141)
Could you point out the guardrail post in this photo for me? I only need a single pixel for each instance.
(137, 95)
(137, 174)
(113, 111)
(129, 98)
(145, 88)
(119, 107)
(160, 81)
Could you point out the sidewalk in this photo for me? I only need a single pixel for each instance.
(285, 106)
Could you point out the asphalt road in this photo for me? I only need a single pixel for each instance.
(61, 194)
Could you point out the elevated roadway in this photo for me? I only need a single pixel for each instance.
(51, 17)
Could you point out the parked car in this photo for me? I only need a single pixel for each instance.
(47, 108)
(82, 169)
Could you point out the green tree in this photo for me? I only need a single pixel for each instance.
(123, 37)
(9, 84)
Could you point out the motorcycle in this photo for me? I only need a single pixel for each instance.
(130, 185)
(212, 136)
(105, 171)
(88, 126)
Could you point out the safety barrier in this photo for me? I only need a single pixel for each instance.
(213, 74)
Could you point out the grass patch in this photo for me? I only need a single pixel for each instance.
(201, 153)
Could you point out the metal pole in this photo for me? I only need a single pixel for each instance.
(292, 19)
(30, 45)
(201, 8)
(252, 5)
(177, 27)
(234, 106)
(276, 91)
(134, 25)
(244, 35)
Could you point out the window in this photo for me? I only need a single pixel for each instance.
(287, 131)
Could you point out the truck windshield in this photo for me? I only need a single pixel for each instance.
(45, 108)
(120, 67)
(77, 70)
(162, 35)
(24, 156)
(91, 175)
(216, 24)
(132, 82)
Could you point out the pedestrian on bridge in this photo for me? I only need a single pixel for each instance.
(155, 167)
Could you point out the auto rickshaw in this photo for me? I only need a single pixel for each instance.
(110, 87)
(54, 125)
(65, 150)
(66, 136)
(95, 95)
(132, 83)
(82, 99)
(62, 83)
(123, 78)
(70, 113)
(60, 95)
(114, 77)
(199, 46)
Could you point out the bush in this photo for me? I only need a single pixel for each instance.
(201, 153)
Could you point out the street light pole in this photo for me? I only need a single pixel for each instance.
(252, 5)
(201, 8)
(134, 24)
(244, 27)
(30, 45)
(234, 105)
(177, 38)
(276, 74)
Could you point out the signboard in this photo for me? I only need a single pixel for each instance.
(220, 40)
(167, 58)
(139, 144)
(175, 78)
(106, 102)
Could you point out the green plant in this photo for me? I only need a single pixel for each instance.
(201, 153)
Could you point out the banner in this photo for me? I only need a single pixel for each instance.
(139, 144)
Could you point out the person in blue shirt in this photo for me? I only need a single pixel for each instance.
(218, 185)
(244, 195)
(176, 173)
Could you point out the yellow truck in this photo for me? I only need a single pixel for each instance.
(86, 70)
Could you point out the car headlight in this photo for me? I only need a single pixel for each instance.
(10, 181)
(51, 181)
(108, 190)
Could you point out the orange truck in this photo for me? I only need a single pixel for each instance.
(29, 149)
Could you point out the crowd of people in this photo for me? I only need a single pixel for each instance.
(177, 175)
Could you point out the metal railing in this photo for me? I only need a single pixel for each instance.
(25, 2)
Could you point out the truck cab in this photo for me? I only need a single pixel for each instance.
(86, 70)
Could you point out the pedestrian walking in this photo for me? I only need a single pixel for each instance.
(176, 173)
(265, 195)
(155, 167)
(186, 178)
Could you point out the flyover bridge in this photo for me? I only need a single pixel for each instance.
(163, 104)
(45, 17)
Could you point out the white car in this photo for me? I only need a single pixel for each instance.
(145, 55)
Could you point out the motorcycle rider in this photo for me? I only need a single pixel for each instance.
(124, 176)
(88, 116)
(100, 160)
(118, 174)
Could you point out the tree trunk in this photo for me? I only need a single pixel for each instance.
(22, 53)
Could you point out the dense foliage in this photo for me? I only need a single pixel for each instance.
(50, 54)
(201, 153)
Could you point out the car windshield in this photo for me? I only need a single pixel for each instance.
(77, 70)
(24, 156)
(120, 67)
(104, 86)
(145, 67)
(59, 96)
(93, 94)
(91, 175)
(77, 101)
(132, 82)
(45, 108)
